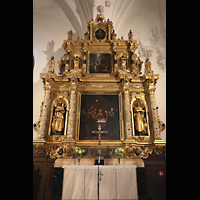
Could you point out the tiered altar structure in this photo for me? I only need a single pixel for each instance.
(100, 82)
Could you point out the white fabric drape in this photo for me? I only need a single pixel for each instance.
(117, 182)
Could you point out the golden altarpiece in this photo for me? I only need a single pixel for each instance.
(100, 81)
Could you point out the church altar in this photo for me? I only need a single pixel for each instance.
(117, 182)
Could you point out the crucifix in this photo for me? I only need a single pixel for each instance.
(99, 153)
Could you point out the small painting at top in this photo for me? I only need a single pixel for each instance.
(100, 63)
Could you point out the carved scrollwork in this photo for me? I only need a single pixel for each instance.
(134, 151)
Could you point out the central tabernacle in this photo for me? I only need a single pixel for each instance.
(99, 109)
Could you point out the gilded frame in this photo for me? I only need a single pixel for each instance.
(100, 50)
(95, 28)
(94, 142)
(100, 63)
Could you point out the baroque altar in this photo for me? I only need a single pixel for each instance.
(99, 82)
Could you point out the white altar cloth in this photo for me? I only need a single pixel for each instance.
(117, 182)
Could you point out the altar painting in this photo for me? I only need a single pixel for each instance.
(100, 63)
(97, 109)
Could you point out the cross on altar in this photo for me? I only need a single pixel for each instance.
(100, 174)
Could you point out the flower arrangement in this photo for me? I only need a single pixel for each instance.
(118, 152)
(79, 152)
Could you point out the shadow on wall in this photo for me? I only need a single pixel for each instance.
(57, 54)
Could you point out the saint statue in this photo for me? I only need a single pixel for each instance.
(58, 119)
(76, 62)
(130, 35)
(70, 34)
(113, 35)
(51, 64)
(148, 66)
(139, 118)
(123, 61)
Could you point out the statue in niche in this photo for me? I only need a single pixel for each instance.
(148, 67)
(140, 119)
(123, 62)
(51, 65)
(76, 62)
(58, 120)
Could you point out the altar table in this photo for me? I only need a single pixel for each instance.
(117, 182)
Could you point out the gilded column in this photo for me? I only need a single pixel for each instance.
(45, 112)
(127, 113)
(70, 130)
(154, 116)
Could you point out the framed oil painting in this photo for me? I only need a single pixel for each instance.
(103, 110)
(100, 63)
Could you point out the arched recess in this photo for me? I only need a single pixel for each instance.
(140, 120)
(59, 117)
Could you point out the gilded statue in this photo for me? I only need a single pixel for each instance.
(148, 66)
(123, 62)
(140, 126)
(70, 34)
(138, 67)
(51, 65)
(76, 62)
(130, 35)
(58, 119)
(113, 35)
